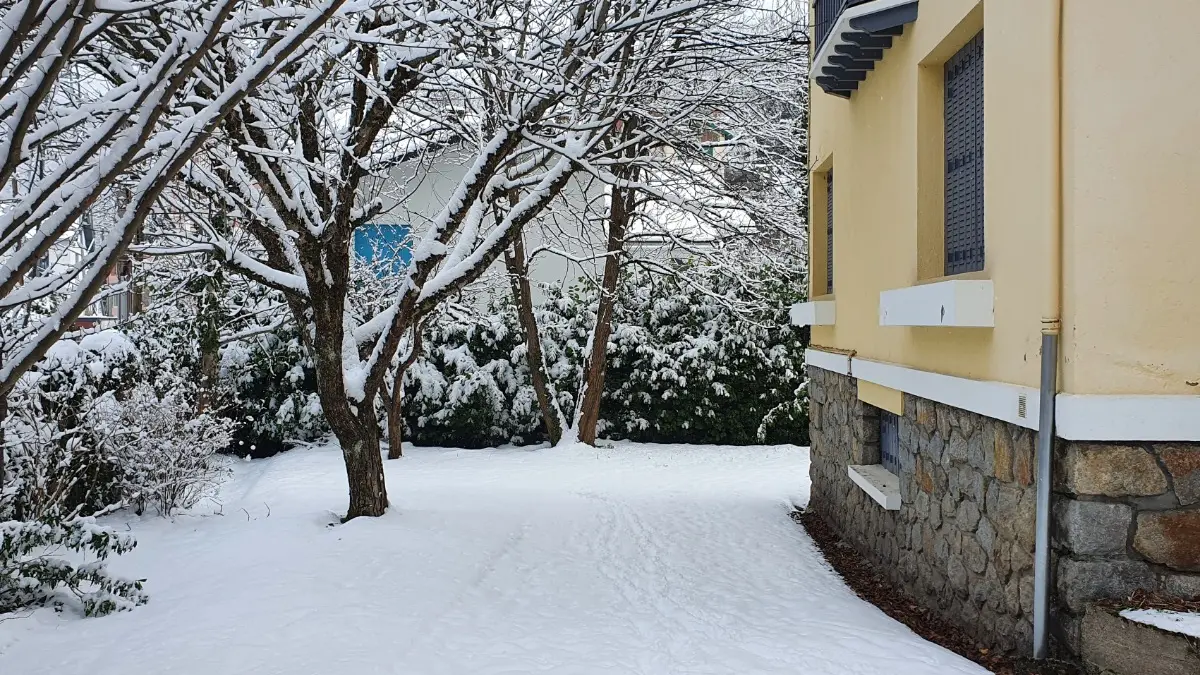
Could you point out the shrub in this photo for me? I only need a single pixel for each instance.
(90, 431)
(32, 575)
(696, 357)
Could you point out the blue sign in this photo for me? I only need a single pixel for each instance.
(388, 248)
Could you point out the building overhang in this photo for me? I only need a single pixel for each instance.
(857, 40)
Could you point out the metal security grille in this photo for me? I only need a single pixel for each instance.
(964, 159)
(889, 441)
(829, 232)
(825, 14)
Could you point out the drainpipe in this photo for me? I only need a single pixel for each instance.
(1051, 328)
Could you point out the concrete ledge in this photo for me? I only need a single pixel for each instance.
(945, 303)
(880, 484)
(817, 313)
(1111, 644)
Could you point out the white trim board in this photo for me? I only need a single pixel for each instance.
(1078, 417)
(998, 400)
(966, 303)
(836, 363)
(880, 484)
(1127, 418)
(815, 313)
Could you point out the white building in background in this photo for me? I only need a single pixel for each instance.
(565, 244)
(563, 248)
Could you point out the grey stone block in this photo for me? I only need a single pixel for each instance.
(1082, 581)
(986, 535)
(1092, 528)
(974, 556)
(967, 516)
(1111, 471)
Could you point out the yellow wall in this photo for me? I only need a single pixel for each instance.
(1132, 256)
(1132, 208)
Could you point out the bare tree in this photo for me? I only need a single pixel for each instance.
(705, 158)
(294, 157)
(97, 97)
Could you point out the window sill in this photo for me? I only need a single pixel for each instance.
(880, 484)
(816, 313)
(960, 302)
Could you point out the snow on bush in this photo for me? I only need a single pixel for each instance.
(273, 393)
(34, 572)
(467, 389)
(695, 357)
(90, 431)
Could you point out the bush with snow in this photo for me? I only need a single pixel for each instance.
(695, 357)
(34, 572)
(272, 393)
(467, 390)
(90, 431)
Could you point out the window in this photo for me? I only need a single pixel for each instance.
(964, 159)
(889, 441)
(829, 232)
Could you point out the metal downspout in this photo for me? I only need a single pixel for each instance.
(1051, 329)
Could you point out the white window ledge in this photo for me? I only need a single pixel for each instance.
(945, 303)
(818, 313)
(880, 484)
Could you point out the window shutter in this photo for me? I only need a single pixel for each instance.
(829, 232)
(964, 159)
(889, 441)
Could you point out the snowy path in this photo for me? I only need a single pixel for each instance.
(642, 559)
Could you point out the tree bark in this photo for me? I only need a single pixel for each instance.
(597, 361)
(364, 469)
(354, 425)
(518, 277)
(210, 343)
(3, 417)
(395, 422)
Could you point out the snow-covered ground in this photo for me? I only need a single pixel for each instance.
(638, 559)
(1187, 623)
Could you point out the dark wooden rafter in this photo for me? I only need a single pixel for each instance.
(853, 50)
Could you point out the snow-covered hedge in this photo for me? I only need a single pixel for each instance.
(698, 358)
(95, 428)
(694, 358)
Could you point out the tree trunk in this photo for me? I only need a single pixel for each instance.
(355, 427)
(210, 343)
(597, 361)
(395, 422)
(518, 277)
(364, 468)
(3, 417)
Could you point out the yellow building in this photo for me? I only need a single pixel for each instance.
(1012, 242)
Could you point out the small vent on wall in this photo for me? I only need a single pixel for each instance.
(1022, 406)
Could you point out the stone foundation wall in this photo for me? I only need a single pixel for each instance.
(962, 541)
(1126, 516)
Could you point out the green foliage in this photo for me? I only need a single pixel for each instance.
(471, 387)
(696, 357)
(32, 576)
(273, 389)
(700, 357)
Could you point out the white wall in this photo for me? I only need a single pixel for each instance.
(419, 190)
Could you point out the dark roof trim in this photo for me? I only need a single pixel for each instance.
(857, 41)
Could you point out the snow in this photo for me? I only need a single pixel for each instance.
(112, 344)
(634, 559)
(1187, 623)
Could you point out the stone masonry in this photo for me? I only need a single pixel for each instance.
(962, 543)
